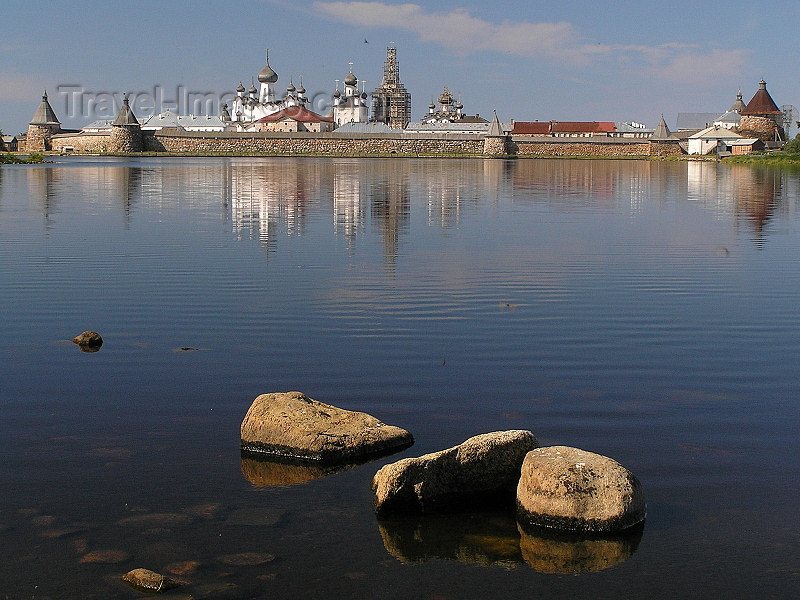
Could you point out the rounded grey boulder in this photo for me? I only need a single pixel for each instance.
(485, 467)
(293, 426)
(570, 489)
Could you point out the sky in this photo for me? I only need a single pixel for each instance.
(568, 60)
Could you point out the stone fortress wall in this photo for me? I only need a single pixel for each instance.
(195, 142)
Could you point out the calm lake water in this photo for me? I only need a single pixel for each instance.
(643, 310)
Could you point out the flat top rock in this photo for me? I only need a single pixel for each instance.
(291, 424)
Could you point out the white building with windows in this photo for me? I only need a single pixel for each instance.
(350, 106)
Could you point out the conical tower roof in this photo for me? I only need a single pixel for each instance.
(45, 115)
(662, 132)
(125, 115)
(738, 106)
(762, 103)
(495, 130)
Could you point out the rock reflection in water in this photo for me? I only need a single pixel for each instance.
(550, 552)
(474, 538)
(264, 473)
(495, 539)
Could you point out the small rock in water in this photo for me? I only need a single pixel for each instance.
(88, 339)
(146, 580)
(162, 520)
(246, 559)
(183, 567)
(43, 520)
(105, 557)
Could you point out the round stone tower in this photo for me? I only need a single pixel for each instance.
(762, 118)
(496, 142)
(43, 126)
(126, 133)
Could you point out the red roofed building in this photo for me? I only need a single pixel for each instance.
(531, 128)
(582, 128)
(293, 119)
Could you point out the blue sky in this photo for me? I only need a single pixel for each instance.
(563, 60)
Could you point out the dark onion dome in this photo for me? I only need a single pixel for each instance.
(240, 89)
(364, 95)
(350, 79)
(301, 90)
(337, 94)
(459, 106)
(253, 89)
(291, 87)
(267, 75)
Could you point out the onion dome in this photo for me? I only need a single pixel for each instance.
(240, 89)
(364, 95)
(267, 75)
(337, 94)
(459, 106)
(350, 79)
(291, 87)
(253, 89)
(301, 90)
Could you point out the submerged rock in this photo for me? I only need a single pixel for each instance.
(569, 489)
(149, 581)
(105, 557)
(484, 467)
(293, 425)
(88, 339)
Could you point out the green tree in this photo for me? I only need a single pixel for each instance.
(793, 147)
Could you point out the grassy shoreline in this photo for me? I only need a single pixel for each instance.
(9, 158)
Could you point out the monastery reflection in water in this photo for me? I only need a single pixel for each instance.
(265, 199)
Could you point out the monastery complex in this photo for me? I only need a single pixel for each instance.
(264, 119)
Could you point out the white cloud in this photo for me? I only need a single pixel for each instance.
(698, 67)
(456, 30)
(463, 33)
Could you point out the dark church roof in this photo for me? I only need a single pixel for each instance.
(45, 115)
(762, 103)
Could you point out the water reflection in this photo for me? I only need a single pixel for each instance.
(548, 552)
(262, 197)
(474, 538)
(266, 473)
(496, 539)
(747, 195)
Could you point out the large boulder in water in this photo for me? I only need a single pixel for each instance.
(570, 489)
(292, 425)
(483, 468)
